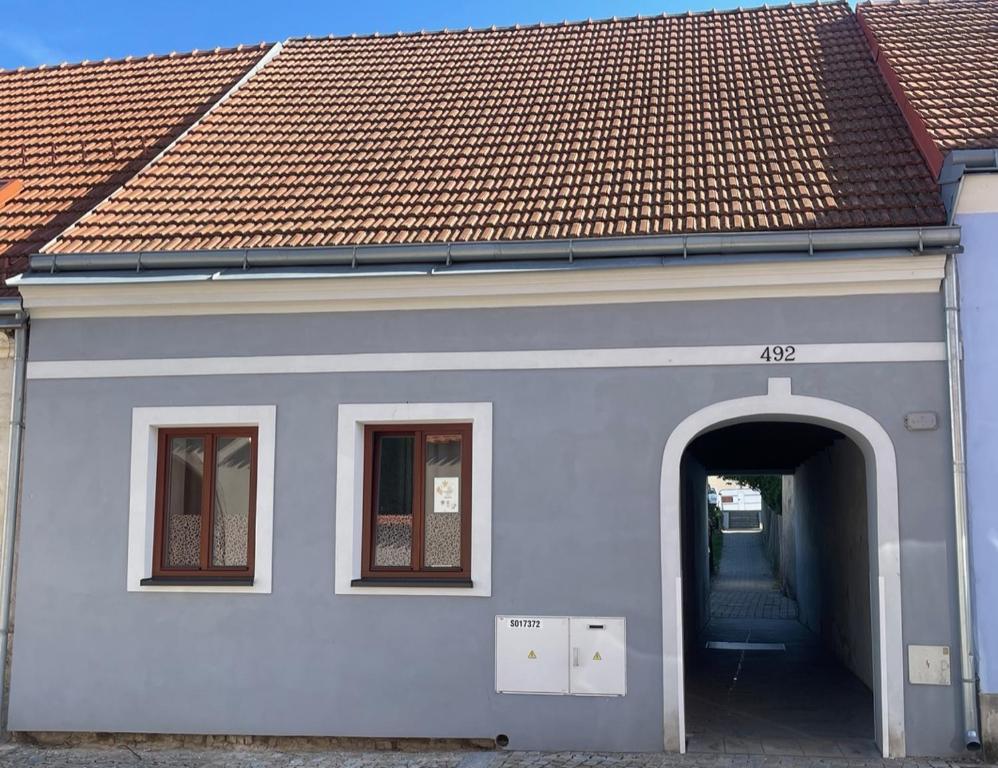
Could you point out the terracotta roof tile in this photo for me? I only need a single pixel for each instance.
(9, 188)
(763, 119)
(942, 55)
(73, 133)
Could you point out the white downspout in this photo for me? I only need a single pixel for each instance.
(954, 350)
(13, 496)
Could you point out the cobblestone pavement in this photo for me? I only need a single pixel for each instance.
(731, 604)
(745, 587)
(144, 757)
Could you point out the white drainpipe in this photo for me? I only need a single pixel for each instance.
(13, 495)
(968, 667)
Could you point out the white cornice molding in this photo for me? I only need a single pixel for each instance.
(203, 295)
(497, 360)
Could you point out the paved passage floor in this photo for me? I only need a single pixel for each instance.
(796, 701)
(745, 587)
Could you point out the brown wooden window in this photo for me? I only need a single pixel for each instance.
(205, 505)
(417, 504)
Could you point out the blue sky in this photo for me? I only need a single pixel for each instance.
(34, 32)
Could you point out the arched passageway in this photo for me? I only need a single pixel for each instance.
(778, 644)
(838, 598)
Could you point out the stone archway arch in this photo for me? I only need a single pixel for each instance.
(780, 404)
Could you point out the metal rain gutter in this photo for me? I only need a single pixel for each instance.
(958, 164)
(17, 321)
(968, 667)
(975, 159)
(335, 272)
(917, 239)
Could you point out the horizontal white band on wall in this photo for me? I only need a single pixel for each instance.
(510, 360)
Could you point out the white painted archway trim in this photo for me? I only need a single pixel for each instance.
(779, 404)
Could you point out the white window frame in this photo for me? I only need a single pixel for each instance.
(352, 418)
(146, 423)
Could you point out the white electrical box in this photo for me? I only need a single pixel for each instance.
(561, 655)
(598, 656)
(928, 664)
(532, 654)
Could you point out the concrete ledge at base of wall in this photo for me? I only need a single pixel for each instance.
(989, 725)
(282, 743)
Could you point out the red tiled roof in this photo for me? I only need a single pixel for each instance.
(71, 134)
(941, 57)
(750, 120)
(9, 188)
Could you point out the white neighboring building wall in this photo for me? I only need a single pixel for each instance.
(740, 500)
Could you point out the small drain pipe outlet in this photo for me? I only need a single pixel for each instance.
(968, 667)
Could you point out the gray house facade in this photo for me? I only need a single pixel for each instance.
(580, 415)
(281, 483)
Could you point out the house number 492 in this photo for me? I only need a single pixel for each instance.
(779, 354)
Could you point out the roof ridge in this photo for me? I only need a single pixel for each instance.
(577, 23)
(874, 3)
(262, 46)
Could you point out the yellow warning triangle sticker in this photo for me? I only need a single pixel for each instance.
(531, 655)
(597, 657)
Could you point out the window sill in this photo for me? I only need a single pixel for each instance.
(411, 581)
(196, 581)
